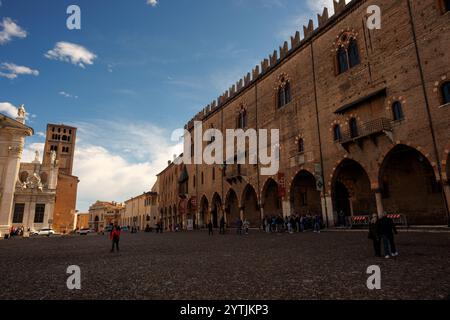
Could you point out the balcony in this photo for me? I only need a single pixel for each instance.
(370, 130)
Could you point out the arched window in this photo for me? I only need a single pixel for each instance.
(397, 111)
(342, 60)
(284, 93)
(301, 146)
(353, 128)
(242, 119)
(337, 132)
(353, 53)
(446, 90)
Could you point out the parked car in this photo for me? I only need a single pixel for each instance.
(44, 232)
(84, 231)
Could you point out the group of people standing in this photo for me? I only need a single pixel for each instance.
(382, 231)
(293, 223)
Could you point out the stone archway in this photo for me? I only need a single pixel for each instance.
(351, 191)
(251, 207)
(409, 186)
(216, 210)
(271, 200)
(305, 199)
(232, 208)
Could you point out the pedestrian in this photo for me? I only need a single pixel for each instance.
(246, 226)
(115, 237)
(210, 229)
(222, 225)
(374, 234)
(387, 230)
(317, 223)
(239, 226)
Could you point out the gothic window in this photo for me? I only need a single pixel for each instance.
(347, 53)
(19, 209)
(203, 178)
(446, 91)
(353, 53)
(242, 119)
(397, 111)
(284, 93)
(337, 132)
(353, 128)
(39, 213)
(342, 60)
(301, 146)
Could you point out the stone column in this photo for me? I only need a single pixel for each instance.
(447, 194)
(329, 210)
(379, 201)
(241, 211)
(350, 201)
(286, 204)
(9, 185)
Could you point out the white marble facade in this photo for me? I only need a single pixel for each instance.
(12, 139)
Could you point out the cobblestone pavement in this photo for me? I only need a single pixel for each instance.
(330, 265)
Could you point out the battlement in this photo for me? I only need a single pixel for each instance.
(274, 59)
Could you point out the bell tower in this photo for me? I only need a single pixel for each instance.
(61, 139)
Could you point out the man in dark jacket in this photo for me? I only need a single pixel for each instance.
(387, 230)
(222, 226)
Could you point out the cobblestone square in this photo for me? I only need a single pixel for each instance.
(330, 265)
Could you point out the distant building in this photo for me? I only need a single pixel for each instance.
(12, 140)
(141, 211)
(82, 221)
(103, 214)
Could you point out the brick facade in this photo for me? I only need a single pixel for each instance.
(377, 162)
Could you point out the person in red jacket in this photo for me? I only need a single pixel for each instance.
(115, 237)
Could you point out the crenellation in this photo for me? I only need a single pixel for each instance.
(264, 65)
(339, 6)
(323, 18)
(308, 31)
(273, 58)
(284, 50)
(295, 40)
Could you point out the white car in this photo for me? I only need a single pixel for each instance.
(44, 232)
(84, 232)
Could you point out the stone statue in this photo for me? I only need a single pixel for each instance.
(53, 157)
(36, 157)
(21, 111)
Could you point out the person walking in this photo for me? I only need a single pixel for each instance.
(222, 226)
(246, 226)
(387, 230)
(115, 237)
(374, 234)
(239, 226)
(317, 223)
(210, 229)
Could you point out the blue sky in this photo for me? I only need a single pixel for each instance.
(138, 71)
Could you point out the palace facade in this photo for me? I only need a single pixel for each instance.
(364, 120)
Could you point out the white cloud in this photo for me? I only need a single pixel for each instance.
(9, 30)
(68, 95)
(8, 109)
(72, 53)
(152, 3)
(12, 71)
